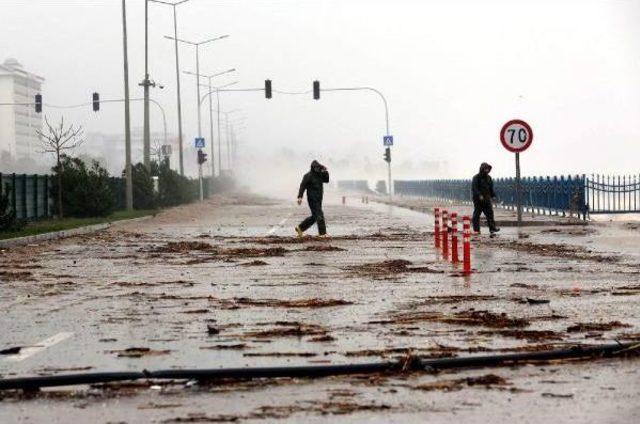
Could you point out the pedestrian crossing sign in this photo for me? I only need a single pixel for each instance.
(387, 140)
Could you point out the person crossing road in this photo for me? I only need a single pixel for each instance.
(312, 183)
(482, 195)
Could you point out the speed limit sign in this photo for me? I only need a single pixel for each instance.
(516, 136)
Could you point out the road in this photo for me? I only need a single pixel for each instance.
(224, 284)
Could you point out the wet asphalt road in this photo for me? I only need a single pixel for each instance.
(224, 285)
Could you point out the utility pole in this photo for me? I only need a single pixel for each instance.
(127, 116)
(146, 151)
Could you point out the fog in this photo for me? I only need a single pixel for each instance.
(452, 72)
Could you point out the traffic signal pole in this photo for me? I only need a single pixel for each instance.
(200, 182)
(386, 118)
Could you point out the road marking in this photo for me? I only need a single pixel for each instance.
(280, 224)
(29, 351)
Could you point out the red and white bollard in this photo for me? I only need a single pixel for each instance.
(436, 231)
(445, 234)
(454, 238)
(466, 244)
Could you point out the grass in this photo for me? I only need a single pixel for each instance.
(52, 225)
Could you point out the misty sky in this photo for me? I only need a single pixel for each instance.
(453, 73)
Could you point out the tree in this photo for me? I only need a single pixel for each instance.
(57, 140)
(144, 196)
(87, 188)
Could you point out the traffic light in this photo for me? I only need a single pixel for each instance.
(96, 102)
(202, 157)
(267, 89)
(316, 90)
(38, 103)
(387, 154)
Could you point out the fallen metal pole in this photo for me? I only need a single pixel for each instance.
(318, 371)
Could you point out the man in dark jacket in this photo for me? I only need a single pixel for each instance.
(482, 191)
(312, 183)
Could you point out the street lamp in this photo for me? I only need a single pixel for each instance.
(197, 46)
(209, 78)
(127, 115)
(175, 34)
(217, 89)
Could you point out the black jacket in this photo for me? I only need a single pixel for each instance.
(482, 184)
(313, 180)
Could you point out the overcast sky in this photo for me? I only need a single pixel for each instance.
(452, 71)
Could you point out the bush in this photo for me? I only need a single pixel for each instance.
(174, 189)
(144, 196)
(8, 221)
(86, 190)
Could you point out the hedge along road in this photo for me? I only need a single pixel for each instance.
(200, 286)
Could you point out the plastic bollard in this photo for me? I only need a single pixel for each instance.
(466, 245)
(436, 231)
(445, 234)
(454, 238)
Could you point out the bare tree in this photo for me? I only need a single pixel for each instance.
(57, 140)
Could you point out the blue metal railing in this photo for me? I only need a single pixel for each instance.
(354, 185)
(542, 195)
(613, 194)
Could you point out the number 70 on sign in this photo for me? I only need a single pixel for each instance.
(516, 136)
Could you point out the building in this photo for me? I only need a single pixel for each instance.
(18, 122)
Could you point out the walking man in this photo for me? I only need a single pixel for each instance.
(312, 183)
(483, 194)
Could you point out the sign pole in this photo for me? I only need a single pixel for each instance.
(200, 181)
(389, 177)
(518, 189)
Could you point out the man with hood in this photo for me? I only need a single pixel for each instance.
(312, 183)
(482, 192)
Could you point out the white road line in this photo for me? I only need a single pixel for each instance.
(280, 224)
(28, 352)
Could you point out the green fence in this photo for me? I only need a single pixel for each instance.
(30, 195)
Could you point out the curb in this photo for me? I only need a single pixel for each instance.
(57, 235)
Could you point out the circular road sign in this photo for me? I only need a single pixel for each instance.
(516, 136)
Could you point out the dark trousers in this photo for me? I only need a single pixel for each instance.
(482, 207)
(317, 216)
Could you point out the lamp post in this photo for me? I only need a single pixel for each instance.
(175, 35)
(127, 116)
(226, 129)
(197, 46)
(209, 78)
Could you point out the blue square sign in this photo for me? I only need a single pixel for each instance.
(199, 142)
(387, 140)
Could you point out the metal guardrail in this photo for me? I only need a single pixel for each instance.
(354, 185)
(613, 194)
(541, 195)
(30, 195)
